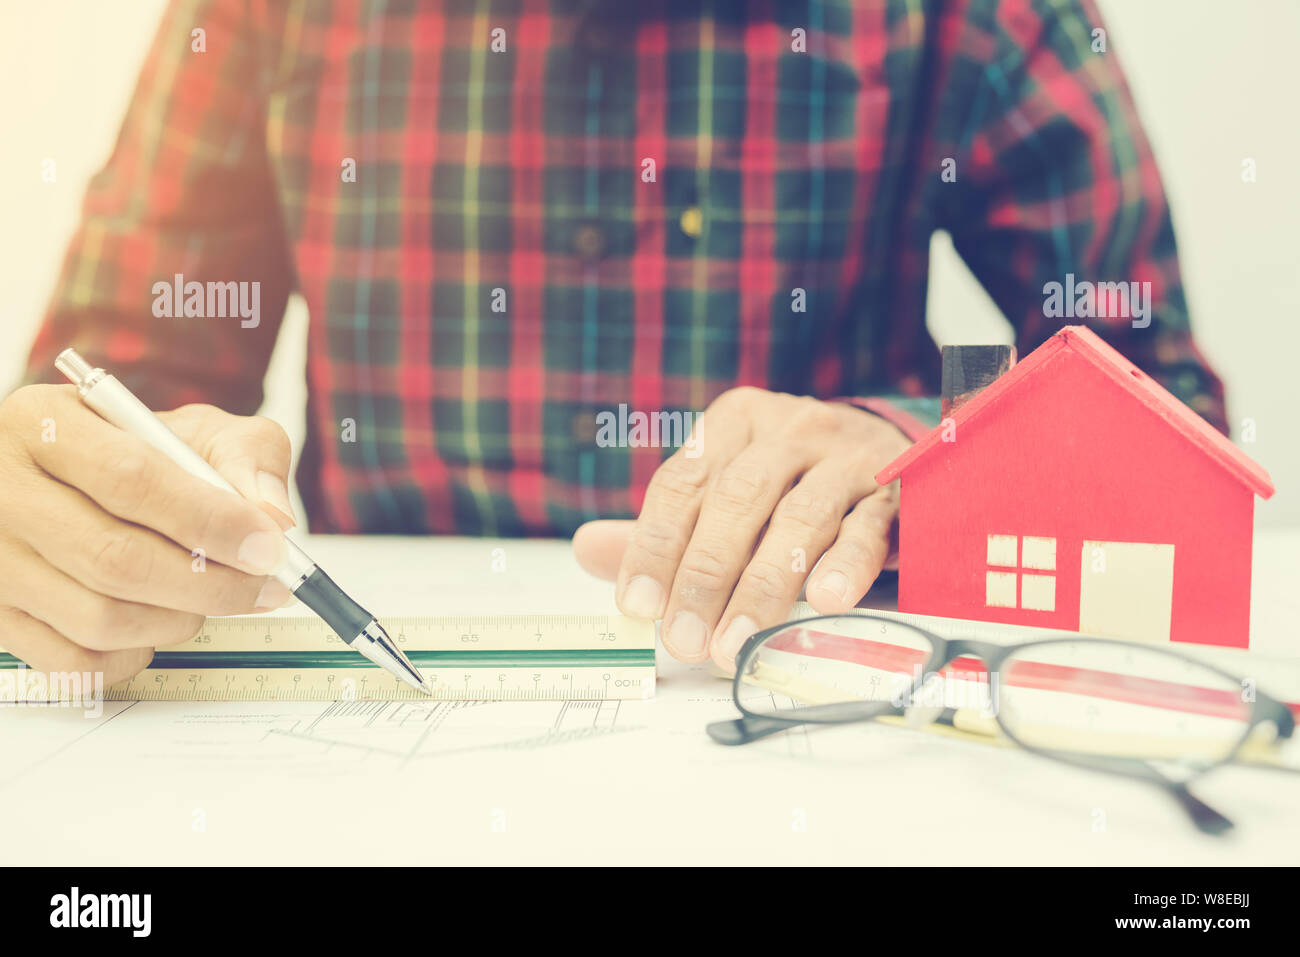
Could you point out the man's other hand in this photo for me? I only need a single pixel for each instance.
(775, 484)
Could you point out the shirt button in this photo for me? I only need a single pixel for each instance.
(589, 241)
(582, 429)
(692, 221)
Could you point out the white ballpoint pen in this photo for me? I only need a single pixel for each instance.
(116, 404)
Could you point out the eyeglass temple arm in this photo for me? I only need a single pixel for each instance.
(1206, 818)
(745, 729)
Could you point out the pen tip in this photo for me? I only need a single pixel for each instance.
(379, 647)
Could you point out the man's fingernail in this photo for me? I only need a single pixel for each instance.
(273, 595)
(261, 553)
(276, 494)
(687, 635)
(737, 633)
(642, 598)
(836, 584)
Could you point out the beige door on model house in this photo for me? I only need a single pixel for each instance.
(1127, 590)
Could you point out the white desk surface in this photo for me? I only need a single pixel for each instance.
(637, 783)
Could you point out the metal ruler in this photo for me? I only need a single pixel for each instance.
(482, 658)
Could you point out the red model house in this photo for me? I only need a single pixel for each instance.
(1073, 492)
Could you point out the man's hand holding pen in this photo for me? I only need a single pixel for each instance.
(109, 549)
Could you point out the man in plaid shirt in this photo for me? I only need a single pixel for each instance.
(514, 220)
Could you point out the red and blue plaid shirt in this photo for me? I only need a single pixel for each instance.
(508, 216)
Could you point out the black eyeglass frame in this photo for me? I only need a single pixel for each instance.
(944, 651)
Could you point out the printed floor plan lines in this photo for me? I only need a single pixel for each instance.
(407, 730)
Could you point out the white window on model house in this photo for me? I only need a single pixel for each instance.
(1016, 564)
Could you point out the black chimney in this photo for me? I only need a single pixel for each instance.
(968, 369)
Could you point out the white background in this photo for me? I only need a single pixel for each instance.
(1214, 83)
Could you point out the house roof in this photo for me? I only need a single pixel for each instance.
(1086, 344)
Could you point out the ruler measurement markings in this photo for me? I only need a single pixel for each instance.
(589, 684)
(519, 658)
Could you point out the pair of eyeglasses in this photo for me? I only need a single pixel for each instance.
(1139, 711)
